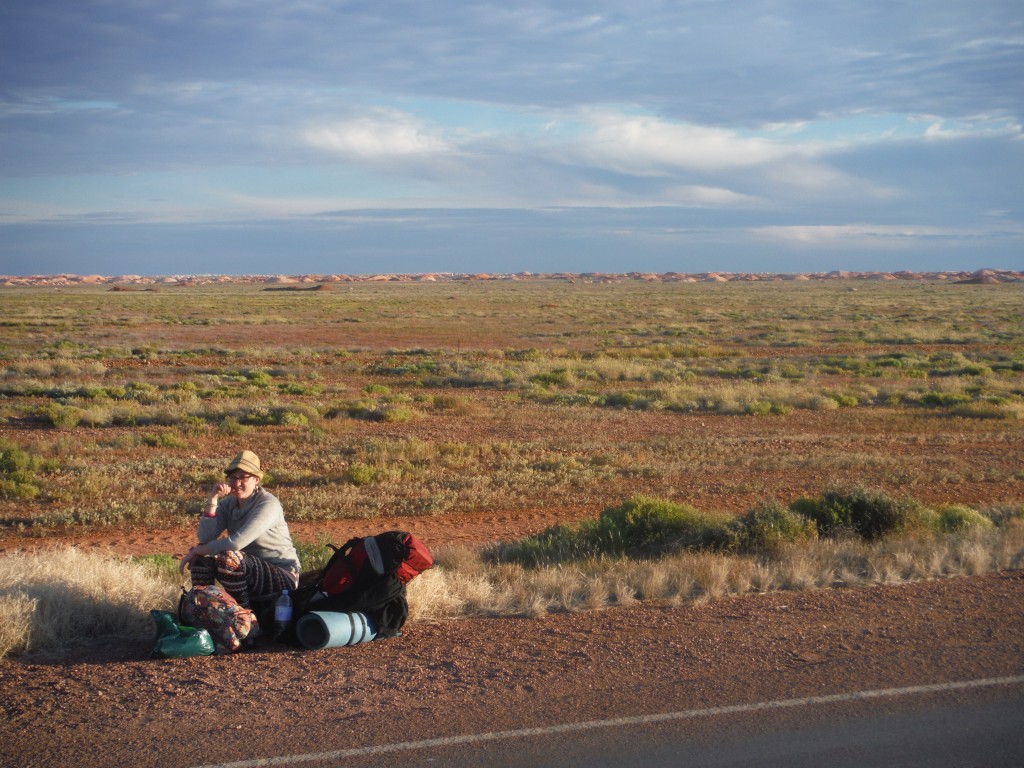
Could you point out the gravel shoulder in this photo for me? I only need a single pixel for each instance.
(112, 705)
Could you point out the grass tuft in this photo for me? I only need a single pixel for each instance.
(52, 600)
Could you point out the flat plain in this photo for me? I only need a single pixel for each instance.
(510, 400)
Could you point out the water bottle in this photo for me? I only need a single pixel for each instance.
(282, 615)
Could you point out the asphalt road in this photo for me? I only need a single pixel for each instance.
(977, 723)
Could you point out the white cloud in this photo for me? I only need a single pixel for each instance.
(649, 145)
(980, 128)
(385, 135)
(707, 196)
(875, 235)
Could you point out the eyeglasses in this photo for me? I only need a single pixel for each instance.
(241, 478)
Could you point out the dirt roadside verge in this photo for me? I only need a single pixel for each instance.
(445, 678)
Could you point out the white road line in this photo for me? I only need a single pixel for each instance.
(590, 725)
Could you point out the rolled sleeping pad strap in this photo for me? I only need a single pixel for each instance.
(331, 629)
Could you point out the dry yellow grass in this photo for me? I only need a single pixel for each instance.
(61, 598)
(461, 585)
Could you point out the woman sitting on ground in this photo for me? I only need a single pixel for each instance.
(257, 557)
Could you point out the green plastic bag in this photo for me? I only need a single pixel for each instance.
(174, 641)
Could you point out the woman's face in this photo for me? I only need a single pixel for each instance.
(242, 484)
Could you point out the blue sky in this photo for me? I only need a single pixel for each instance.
(316, 136)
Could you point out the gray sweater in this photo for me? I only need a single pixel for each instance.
(255, 526)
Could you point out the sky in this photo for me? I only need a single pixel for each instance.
(332, 136)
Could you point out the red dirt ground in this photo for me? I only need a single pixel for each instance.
(442, 531)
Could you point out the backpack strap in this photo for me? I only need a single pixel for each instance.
(373, 555)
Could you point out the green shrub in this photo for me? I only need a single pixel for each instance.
(17, 491)
(288, 416)
(453, 404)
(398, 414)
(644, 523)
(165, 440)
(260, 379)
(14, 459)
(1010, 411)
(298, 388)
(975, 369)
(313, 555)
(844, 401)
(61, 416)
(944, 399)
(640, 527)
(524, 355)
(956, 518)
(767, 408)
(259, 415)
(293, 419)
(358, 473)
(558, 377)
(193, 425)
(18, 469)
(1003, 514)
(230, 426)
(769, 526)
(868, 512)
(143, 392)
(632, 400)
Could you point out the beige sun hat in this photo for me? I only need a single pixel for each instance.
(247, 461)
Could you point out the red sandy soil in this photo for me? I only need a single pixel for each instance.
(442, 531)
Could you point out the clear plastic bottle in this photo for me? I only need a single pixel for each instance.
(282, 615)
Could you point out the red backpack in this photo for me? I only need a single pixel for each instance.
(393, 552)
(368, 575)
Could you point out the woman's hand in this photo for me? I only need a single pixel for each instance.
(199, 550)
(219, 491)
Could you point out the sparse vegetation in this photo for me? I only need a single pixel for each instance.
(700, 404)
(508, 394)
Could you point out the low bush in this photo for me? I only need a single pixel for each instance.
(358, 473)
(644, 527)
(288, 416)
(314, 555)
(640, 527)
(16, 490)
(61, 416)
(165, 440)
(18, 473)
(1004, 514)
(769, 526)
(955, 518)
(648, 525)
(870, 513)
(231, 426)
(398, 414)
(944, 399)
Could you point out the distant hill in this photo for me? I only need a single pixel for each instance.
(325, 282)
